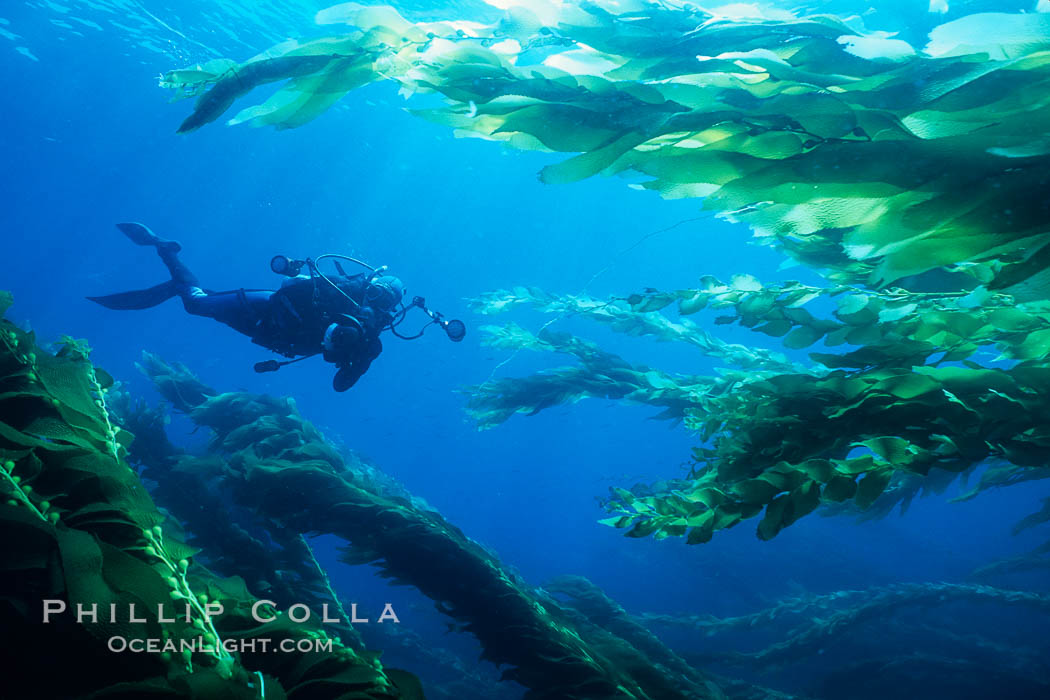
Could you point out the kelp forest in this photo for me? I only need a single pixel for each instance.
(908, 173)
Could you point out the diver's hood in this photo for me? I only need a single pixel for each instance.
(385, 292)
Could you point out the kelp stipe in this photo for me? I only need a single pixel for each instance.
(267, 451)
(937, 637)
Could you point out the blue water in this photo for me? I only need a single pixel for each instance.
(89, 140)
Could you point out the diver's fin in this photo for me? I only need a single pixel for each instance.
(141, 235)
(139, 298)
(138, 233)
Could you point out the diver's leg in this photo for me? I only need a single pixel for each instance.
(167, 250)
(181, 277)
(180, 274)
(240, 310)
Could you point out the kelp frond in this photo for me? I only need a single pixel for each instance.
(855, 153)
(80, 528)
(278, 466)
(904, 399)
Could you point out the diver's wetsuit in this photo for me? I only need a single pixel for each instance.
(295, 320)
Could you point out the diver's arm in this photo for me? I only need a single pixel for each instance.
(299, 292)
(348, 374)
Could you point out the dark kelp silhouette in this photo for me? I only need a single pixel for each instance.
(233, 541)
(80, 527)
(831, 643)
(835, 642)
(280, 467)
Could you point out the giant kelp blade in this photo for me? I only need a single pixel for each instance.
(239, 81)
(822, 149)
(82, 529)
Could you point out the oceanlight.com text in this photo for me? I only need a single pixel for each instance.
(259, 645)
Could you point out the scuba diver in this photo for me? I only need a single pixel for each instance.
(337, 316)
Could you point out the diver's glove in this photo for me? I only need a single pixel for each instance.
(342, 341)
(345, 378)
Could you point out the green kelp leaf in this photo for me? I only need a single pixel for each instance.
(871, 487)
(907, 386)
(776, 328)
(692, 304)
(620, 521)
(710, 497)
(785, 477)
(590, 164)
(756, 491)
(659, 380)
(745, 283)
(804, 500)
(91, 538)
(975, 299)
(894, 450)
(1010, 319)
(840, 488)
(819, 470)
(32, 540)
(702, 528)
(179, 550)
(865, 335)
(787, 508)
(773, 521)
(802, 337)
(802, 298)
(1014, 35)
(643, 528)
(673, 527)
(363, 16)
(644, 303)
(852, 304)
(1036, 345)
(303, 99)
(212, 104)
(758, 304)
(896, 313)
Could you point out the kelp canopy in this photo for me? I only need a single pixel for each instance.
(889, 168)
(856, 153)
